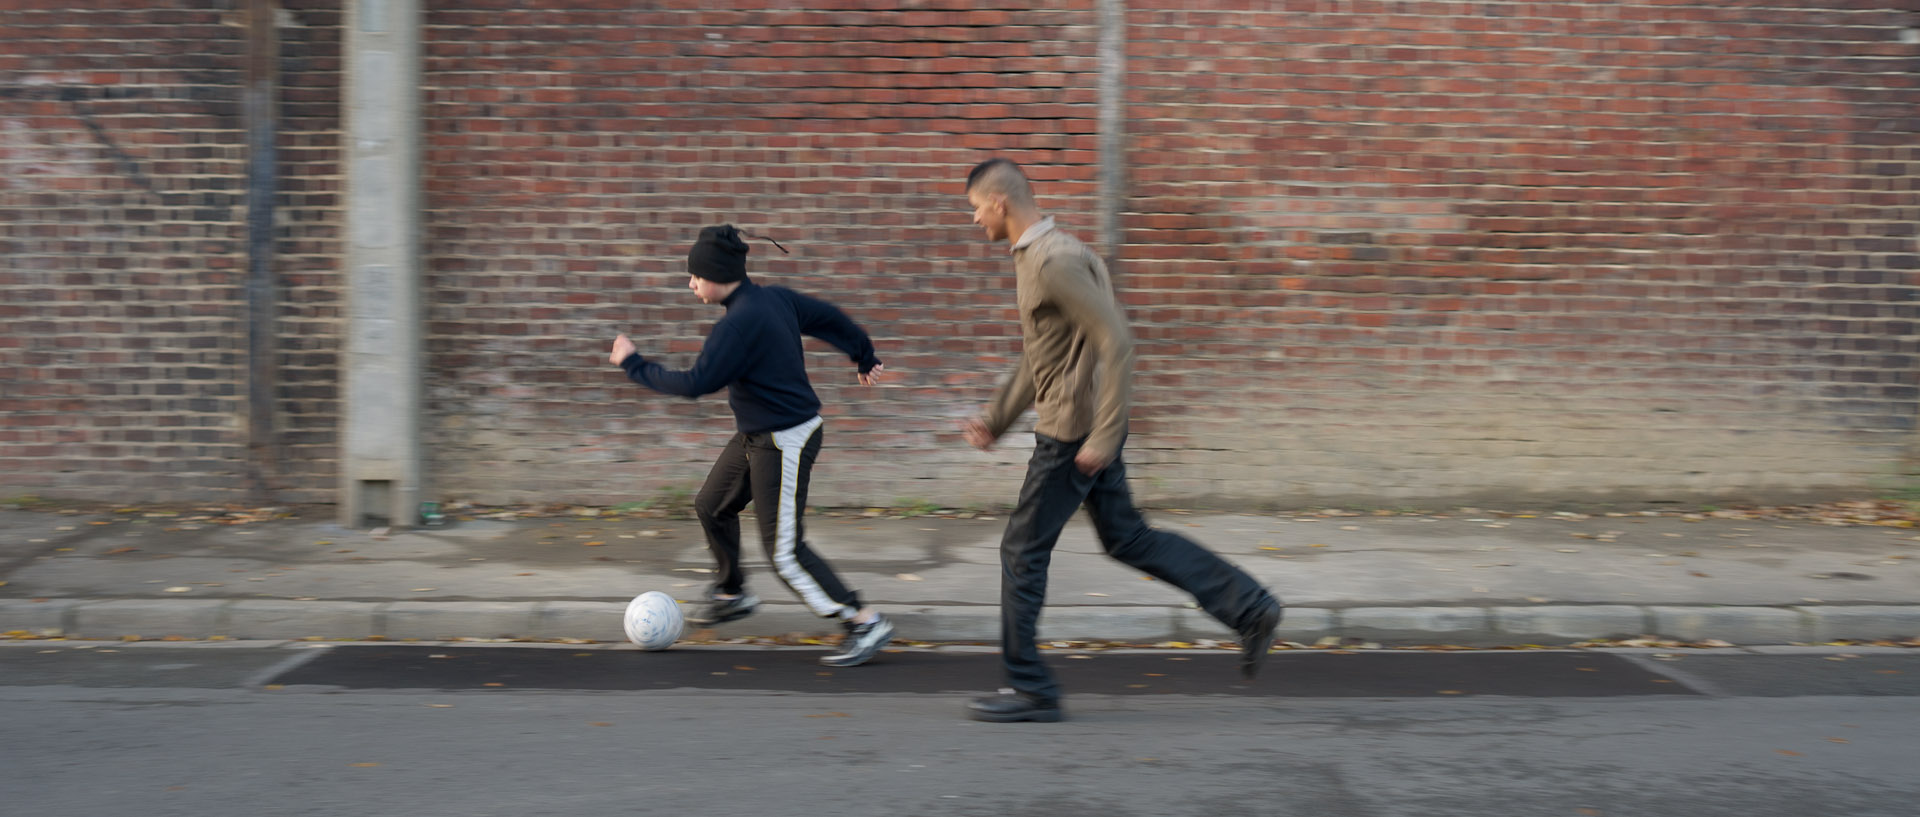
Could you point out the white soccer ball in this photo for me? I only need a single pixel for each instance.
(654, 621)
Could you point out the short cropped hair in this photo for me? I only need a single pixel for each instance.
(1002, 177)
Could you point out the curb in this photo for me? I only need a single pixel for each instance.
(1467, 626)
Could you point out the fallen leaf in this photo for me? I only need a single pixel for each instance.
(425, 589)
(594, 544)
(1101, 595)
(1788, 752)
(179, 590)
(493, 684)
(908, 577)
(1838, 740)
(441, 706)
(744, 668)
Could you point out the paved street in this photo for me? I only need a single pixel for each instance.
(230, 729)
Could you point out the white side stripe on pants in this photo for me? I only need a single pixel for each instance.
(791, 443)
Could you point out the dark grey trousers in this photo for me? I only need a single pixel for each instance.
(1053, 491)
(771, 471)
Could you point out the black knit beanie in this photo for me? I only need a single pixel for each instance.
(720, 255)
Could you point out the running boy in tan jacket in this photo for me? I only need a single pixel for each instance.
(1075, 370)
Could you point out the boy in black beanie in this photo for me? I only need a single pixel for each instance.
(755, 353)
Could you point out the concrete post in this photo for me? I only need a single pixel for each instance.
(380, 463)
(1113, 118)
(260, 104)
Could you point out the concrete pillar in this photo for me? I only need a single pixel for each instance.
(1113, 120)
(380, 461)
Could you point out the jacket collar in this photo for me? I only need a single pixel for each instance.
(745, 284)
(1040, 228)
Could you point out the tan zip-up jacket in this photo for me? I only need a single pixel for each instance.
(1076, 367)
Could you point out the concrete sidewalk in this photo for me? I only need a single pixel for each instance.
(1457, 579)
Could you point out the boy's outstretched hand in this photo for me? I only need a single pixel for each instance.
(622, 348)
(976, 433)
(872, 376)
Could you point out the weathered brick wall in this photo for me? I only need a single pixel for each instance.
(123, 254)
(1398, 250)
(577, 153)
(1384, 252)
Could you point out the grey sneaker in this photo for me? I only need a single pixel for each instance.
(720, 611)
(861, 643)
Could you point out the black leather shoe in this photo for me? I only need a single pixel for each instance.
(1009, 706)
(1256, 638)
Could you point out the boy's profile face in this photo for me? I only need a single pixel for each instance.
(707, 291)
(990, 212)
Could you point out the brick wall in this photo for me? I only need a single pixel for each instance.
(123, 254)
(1381, 252)
(1497, 249)
(578, 153)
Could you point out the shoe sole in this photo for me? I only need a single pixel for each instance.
(1036, 716)
(708, 622)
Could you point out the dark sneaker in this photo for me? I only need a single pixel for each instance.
(1256, 638)
(720, 611)
(861, 643)
(1009, 706)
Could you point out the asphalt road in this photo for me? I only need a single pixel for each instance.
(224, 730)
